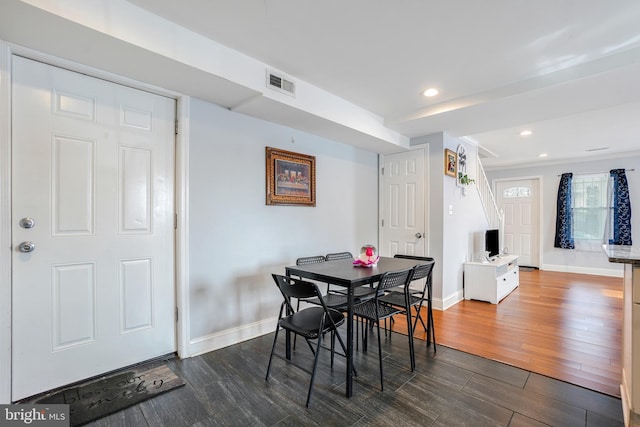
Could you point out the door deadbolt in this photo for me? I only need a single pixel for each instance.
(26, 247)
(27, 222)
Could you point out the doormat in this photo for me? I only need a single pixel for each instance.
(523, 268)
(99, 398)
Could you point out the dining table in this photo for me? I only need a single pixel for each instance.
(346, 274)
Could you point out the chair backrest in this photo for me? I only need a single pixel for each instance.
(418, 258)
(421, 271)
(338, 255)
(394, 279)
(310, 260)
(291, 287)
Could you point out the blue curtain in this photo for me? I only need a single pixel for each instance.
(619, 220)
(564, 218)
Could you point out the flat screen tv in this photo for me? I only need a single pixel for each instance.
(492, 243)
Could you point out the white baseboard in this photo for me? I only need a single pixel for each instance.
(451, 300)
(229, 337)
(218, 340)
(583, 270)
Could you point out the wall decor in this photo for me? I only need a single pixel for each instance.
(450, 163)
(461, 169)
(291, 178)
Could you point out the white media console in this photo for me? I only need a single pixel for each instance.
(491, 281)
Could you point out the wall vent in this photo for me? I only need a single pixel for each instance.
(280, 83)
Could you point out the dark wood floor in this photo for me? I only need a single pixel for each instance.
(566, 326)
(538, 341)
(448, 388)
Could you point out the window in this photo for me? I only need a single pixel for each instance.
(589, 210)
(516, 192)
(593, 209)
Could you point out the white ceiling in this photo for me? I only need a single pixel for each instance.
(569, 71)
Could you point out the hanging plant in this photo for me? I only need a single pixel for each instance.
(465, 180)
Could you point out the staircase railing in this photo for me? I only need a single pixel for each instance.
(495, 216)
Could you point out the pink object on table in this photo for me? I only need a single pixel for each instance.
(367, 257)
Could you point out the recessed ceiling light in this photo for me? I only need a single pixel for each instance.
(525, 133)
(543, 155)
(430, 92)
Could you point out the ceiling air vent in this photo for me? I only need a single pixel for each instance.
(281, 84)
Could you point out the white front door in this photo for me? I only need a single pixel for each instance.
(403, 204)
(520, 200)
(92, 190)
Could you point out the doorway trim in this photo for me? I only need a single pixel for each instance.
(181, 200)
(494, 186)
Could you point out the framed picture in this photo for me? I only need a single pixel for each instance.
(291, 178)
(450, 163)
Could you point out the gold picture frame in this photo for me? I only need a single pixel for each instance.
(450, 162)
(290, 177)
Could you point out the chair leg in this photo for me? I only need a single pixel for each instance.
(273, 348)
(333, 346)
(313, 372)
(432, 326)
(380, 357)
(365, 335)
(295, 336)
(418, 316)
(412, 355)
(357, 333)
(344, 350)
(431, 330)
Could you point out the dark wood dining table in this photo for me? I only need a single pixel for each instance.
(344, 273)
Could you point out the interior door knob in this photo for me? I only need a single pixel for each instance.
(419, 235)
(27, 222)
(26, 247)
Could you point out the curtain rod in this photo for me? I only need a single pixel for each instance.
(593, 173)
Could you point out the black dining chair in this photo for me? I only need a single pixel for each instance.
(416, 297)
(338, 255)
(359, 293)
(332, 299)
(373, 311)
(311, 323)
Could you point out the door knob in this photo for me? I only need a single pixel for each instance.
(419, 235)
(26, 247)
(27, 222)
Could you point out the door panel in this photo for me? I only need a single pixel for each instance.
(93, 165)
(403, 202)
(520, 200)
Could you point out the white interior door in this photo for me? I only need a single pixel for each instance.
(403, 204)
(520, 200)
(92, 177)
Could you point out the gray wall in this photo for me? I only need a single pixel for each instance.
(574, 260)
(236, 241)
